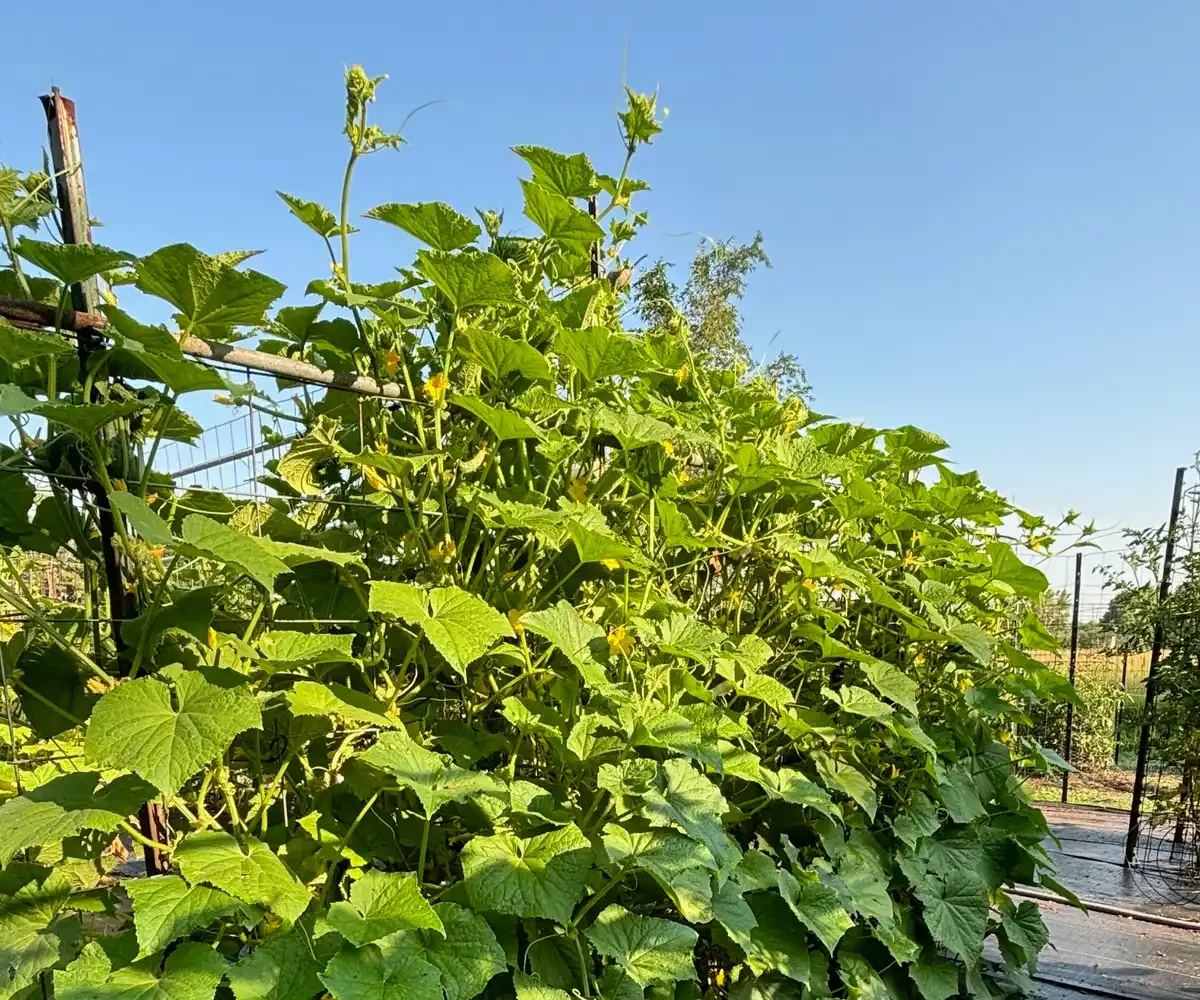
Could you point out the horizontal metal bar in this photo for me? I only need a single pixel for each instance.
(1116, 911)
(235, 457)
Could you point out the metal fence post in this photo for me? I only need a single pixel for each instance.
(1066, 779)
(1164, 591)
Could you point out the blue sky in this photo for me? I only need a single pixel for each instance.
(984, 218)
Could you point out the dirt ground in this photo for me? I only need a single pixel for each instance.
(1097, 788)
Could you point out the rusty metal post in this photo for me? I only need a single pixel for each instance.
(1164, 591)
(67, 161)
(1121, 707)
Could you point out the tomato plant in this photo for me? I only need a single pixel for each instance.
(572, 666)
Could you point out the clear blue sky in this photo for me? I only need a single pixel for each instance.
(984, 217)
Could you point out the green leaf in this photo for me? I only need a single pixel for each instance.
(500, 355)
(58, 677)
(960, 796)
(317, 217)
(560, 219)
(87, 419)
(974, 640)
(469, 280)
(71, 262)
(956, 912)
(794, 787)
(461, 626)
(569, 176)
(30, 898)
(192, 972)
(168, 732)
(893, 685)
(598, 354)
(1007, 568)
(141, 518)
(253, 874)
(682, 866)
(732, 912)
(650, 950)
(1025, 928)
(18, 345)
(297, 466)
(596, 546)
(631, 429)
(506, 424)
(370, 974)
(815, 905)
(166, 908)
(210, 293)
(532, 988)
(287, 650)
(433, 777)
(431, 222)
(314, 698)
(539, 877)
(467, 955)
(66, 805)
(282, 967)
(919, 820)
(581, 641)
(210, 539)
(778, 942)
(381, 904)
(684, 798)
(936, 977)
(837, 774)
(860, 701)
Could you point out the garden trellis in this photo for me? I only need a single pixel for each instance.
(542, 660)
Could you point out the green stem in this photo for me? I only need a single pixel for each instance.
(421, 855)
(144, 841)
(362, 813)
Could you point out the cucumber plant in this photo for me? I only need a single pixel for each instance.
(570, 666)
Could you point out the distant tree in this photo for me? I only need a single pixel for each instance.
(708, 303)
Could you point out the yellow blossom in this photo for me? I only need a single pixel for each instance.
(682, 476)
(719, 978)
(373, 478)
(895, 772)
(682, 374)
(391, 362)
(837, 587)
(577, 491)
(212, 638)
(668, 448)
(156, 551)
(620, 642)
(735, 596)
(1006, 737)
(514, 619)
(611, 564)
(381, 446)
(910, 559)
(152, 498)
(131, 587)
(436, 386)
(223, 400)
(119, 486)
(96, 685)
(1037, 545)
(810, 584)
(444, 551)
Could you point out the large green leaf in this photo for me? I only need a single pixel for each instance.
(60, 680)
(648, 949)
(66, 805)
(314, 698)
(539, 877)
(506, 424)
(959, 794)
(842, 777)
(211, 539)
(461, 626)
(560, 219)
(598, 354)
(30, 898)
(1007, 568)
(210, 293)
(956, 912)
(500, 355)
(87, 419)
(433, 223)
(282, 967)
(166, 908)
(469, 280)
(684, 798)
(192, 972)
(569, 176)
(250, 871)
(579, 640)
(778, 942)
(71, 262)
(381, 904)
(816, 905)
(317, 217)
(892, 684)
(433, 777)
(371, 974)
(467, 954)
(166, 732)
(936, 978)
(794, 787)
(18, 345)
(141, 518)
(630, 428)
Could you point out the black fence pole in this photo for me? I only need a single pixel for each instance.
(1164, 591)
(1071, 671)
(1121, 707)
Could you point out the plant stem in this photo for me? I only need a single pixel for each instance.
(421, 855)
(144, 841)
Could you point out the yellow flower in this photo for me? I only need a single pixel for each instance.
(682, 374)
(668, 448)
(611, 564)
(810, 584)
(735, 596)
(381, 446)
(719, 978)
(514, 619)
(1037, 545)
(620, 642)
(96, 685)
(152, 498)
(131, 587)
(577, 491)
(1006, 737)
(391, 362)
(156, 551)
(910, 560)
(223, 400)
(895, 772)
(682, 476)
(373, 477)
(445, 550)
(119, 486)
(436, 386)
(837, 587)
(212, 638)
